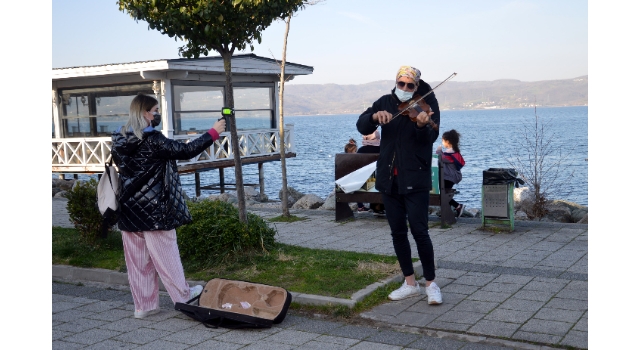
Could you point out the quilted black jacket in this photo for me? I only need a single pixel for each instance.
(151, 194)
(403, 144)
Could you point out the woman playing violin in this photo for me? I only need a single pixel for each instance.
(403, 174)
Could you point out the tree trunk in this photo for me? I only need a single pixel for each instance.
(235, 145)
(283, 159)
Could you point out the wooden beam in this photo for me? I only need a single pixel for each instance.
(227, 163)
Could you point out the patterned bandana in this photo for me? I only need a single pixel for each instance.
(408, 71)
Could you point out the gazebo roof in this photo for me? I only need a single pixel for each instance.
(249, 64)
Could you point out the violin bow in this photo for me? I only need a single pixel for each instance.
(423, 96)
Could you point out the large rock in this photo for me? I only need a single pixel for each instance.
(65, 185)
(253, 195)
(584, 220)
(309, 201)
(293, 196)
(557, 213)
(577, 211)
(330, 202)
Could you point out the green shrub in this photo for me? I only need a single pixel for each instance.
(216, 234)
(83, 212)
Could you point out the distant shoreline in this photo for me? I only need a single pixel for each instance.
(460, 109)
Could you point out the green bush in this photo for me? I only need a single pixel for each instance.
(83, 212)
(216, 234)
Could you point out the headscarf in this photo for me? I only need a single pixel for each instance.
(408, 71)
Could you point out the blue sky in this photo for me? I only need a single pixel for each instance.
(359, 41)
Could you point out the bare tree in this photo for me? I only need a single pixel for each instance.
(541, 165)
(283, 163)
(283, 79)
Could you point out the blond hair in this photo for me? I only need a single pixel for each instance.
(137, 122)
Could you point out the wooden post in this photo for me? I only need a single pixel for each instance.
(221, 171)
(197, 174)
(261, 178)
(75, 176)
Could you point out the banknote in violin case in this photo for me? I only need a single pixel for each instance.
(237, 304)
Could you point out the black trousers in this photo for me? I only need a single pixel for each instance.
(449, 184)
(415, 206)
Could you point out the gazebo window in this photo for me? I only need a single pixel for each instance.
(197, 107)
(92, 112)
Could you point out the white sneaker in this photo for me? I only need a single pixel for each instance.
(143, 314)
(433, 294)
(195, 291)
(405, 291)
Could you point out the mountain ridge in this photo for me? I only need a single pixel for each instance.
(312, 99)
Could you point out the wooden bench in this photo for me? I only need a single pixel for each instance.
(346, 163)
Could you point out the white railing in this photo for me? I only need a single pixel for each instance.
(88, 155)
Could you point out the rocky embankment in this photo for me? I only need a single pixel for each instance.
(558, 210)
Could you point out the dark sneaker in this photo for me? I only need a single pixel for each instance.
(363, 209)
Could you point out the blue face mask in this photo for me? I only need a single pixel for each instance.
(403, 95)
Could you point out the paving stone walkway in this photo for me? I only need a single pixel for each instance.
(526, 289)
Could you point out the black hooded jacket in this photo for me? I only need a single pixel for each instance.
(403, 144)
(150, 193)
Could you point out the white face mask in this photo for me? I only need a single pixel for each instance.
(403, 95)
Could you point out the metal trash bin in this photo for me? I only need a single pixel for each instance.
(497, 196)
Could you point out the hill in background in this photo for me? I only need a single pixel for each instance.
(311, 99)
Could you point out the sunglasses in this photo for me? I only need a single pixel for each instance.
(410, 86)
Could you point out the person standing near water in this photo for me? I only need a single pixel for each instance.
(404, 175)
(152, 205)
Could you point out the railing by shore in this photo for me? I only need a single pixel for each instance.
(88, 155)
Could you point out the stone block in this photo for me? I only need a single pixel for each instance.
(465, 317)
(553, 314)
(576, 339)
(537, 337)
(494, 328)
(507, 315)
(489, 296)
(547, 327)
(522, 304)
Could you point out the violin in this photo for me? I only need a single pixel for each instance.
(414, 106)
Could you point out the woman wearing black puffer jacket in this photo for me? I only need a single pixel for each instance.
(151, 203)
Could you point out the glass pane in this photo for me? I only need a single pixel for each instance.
(98, 111)
(252, 98)
(193, 123)
(113, 112)
(197, 98)
(253, 120)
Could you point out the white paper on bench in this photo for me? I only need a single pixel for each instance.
(354, 180)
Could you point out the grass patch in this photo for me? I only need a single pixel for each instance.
(290, 218)
(297, 269)
(69, 249)
(304, 270)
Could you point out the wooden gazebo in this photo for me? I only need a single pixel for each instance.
(88, 103)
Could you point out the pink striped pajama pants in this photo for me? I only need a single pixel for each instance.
(147, 255)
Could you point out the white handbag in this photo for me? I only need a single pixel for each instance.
(107, 193)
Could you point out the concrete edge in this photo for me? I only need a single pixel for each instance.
(79, 274)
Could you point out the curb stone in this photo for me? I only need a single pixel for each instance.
(79, 274)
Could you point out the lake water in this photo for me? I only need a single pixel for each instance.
(489, 138)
